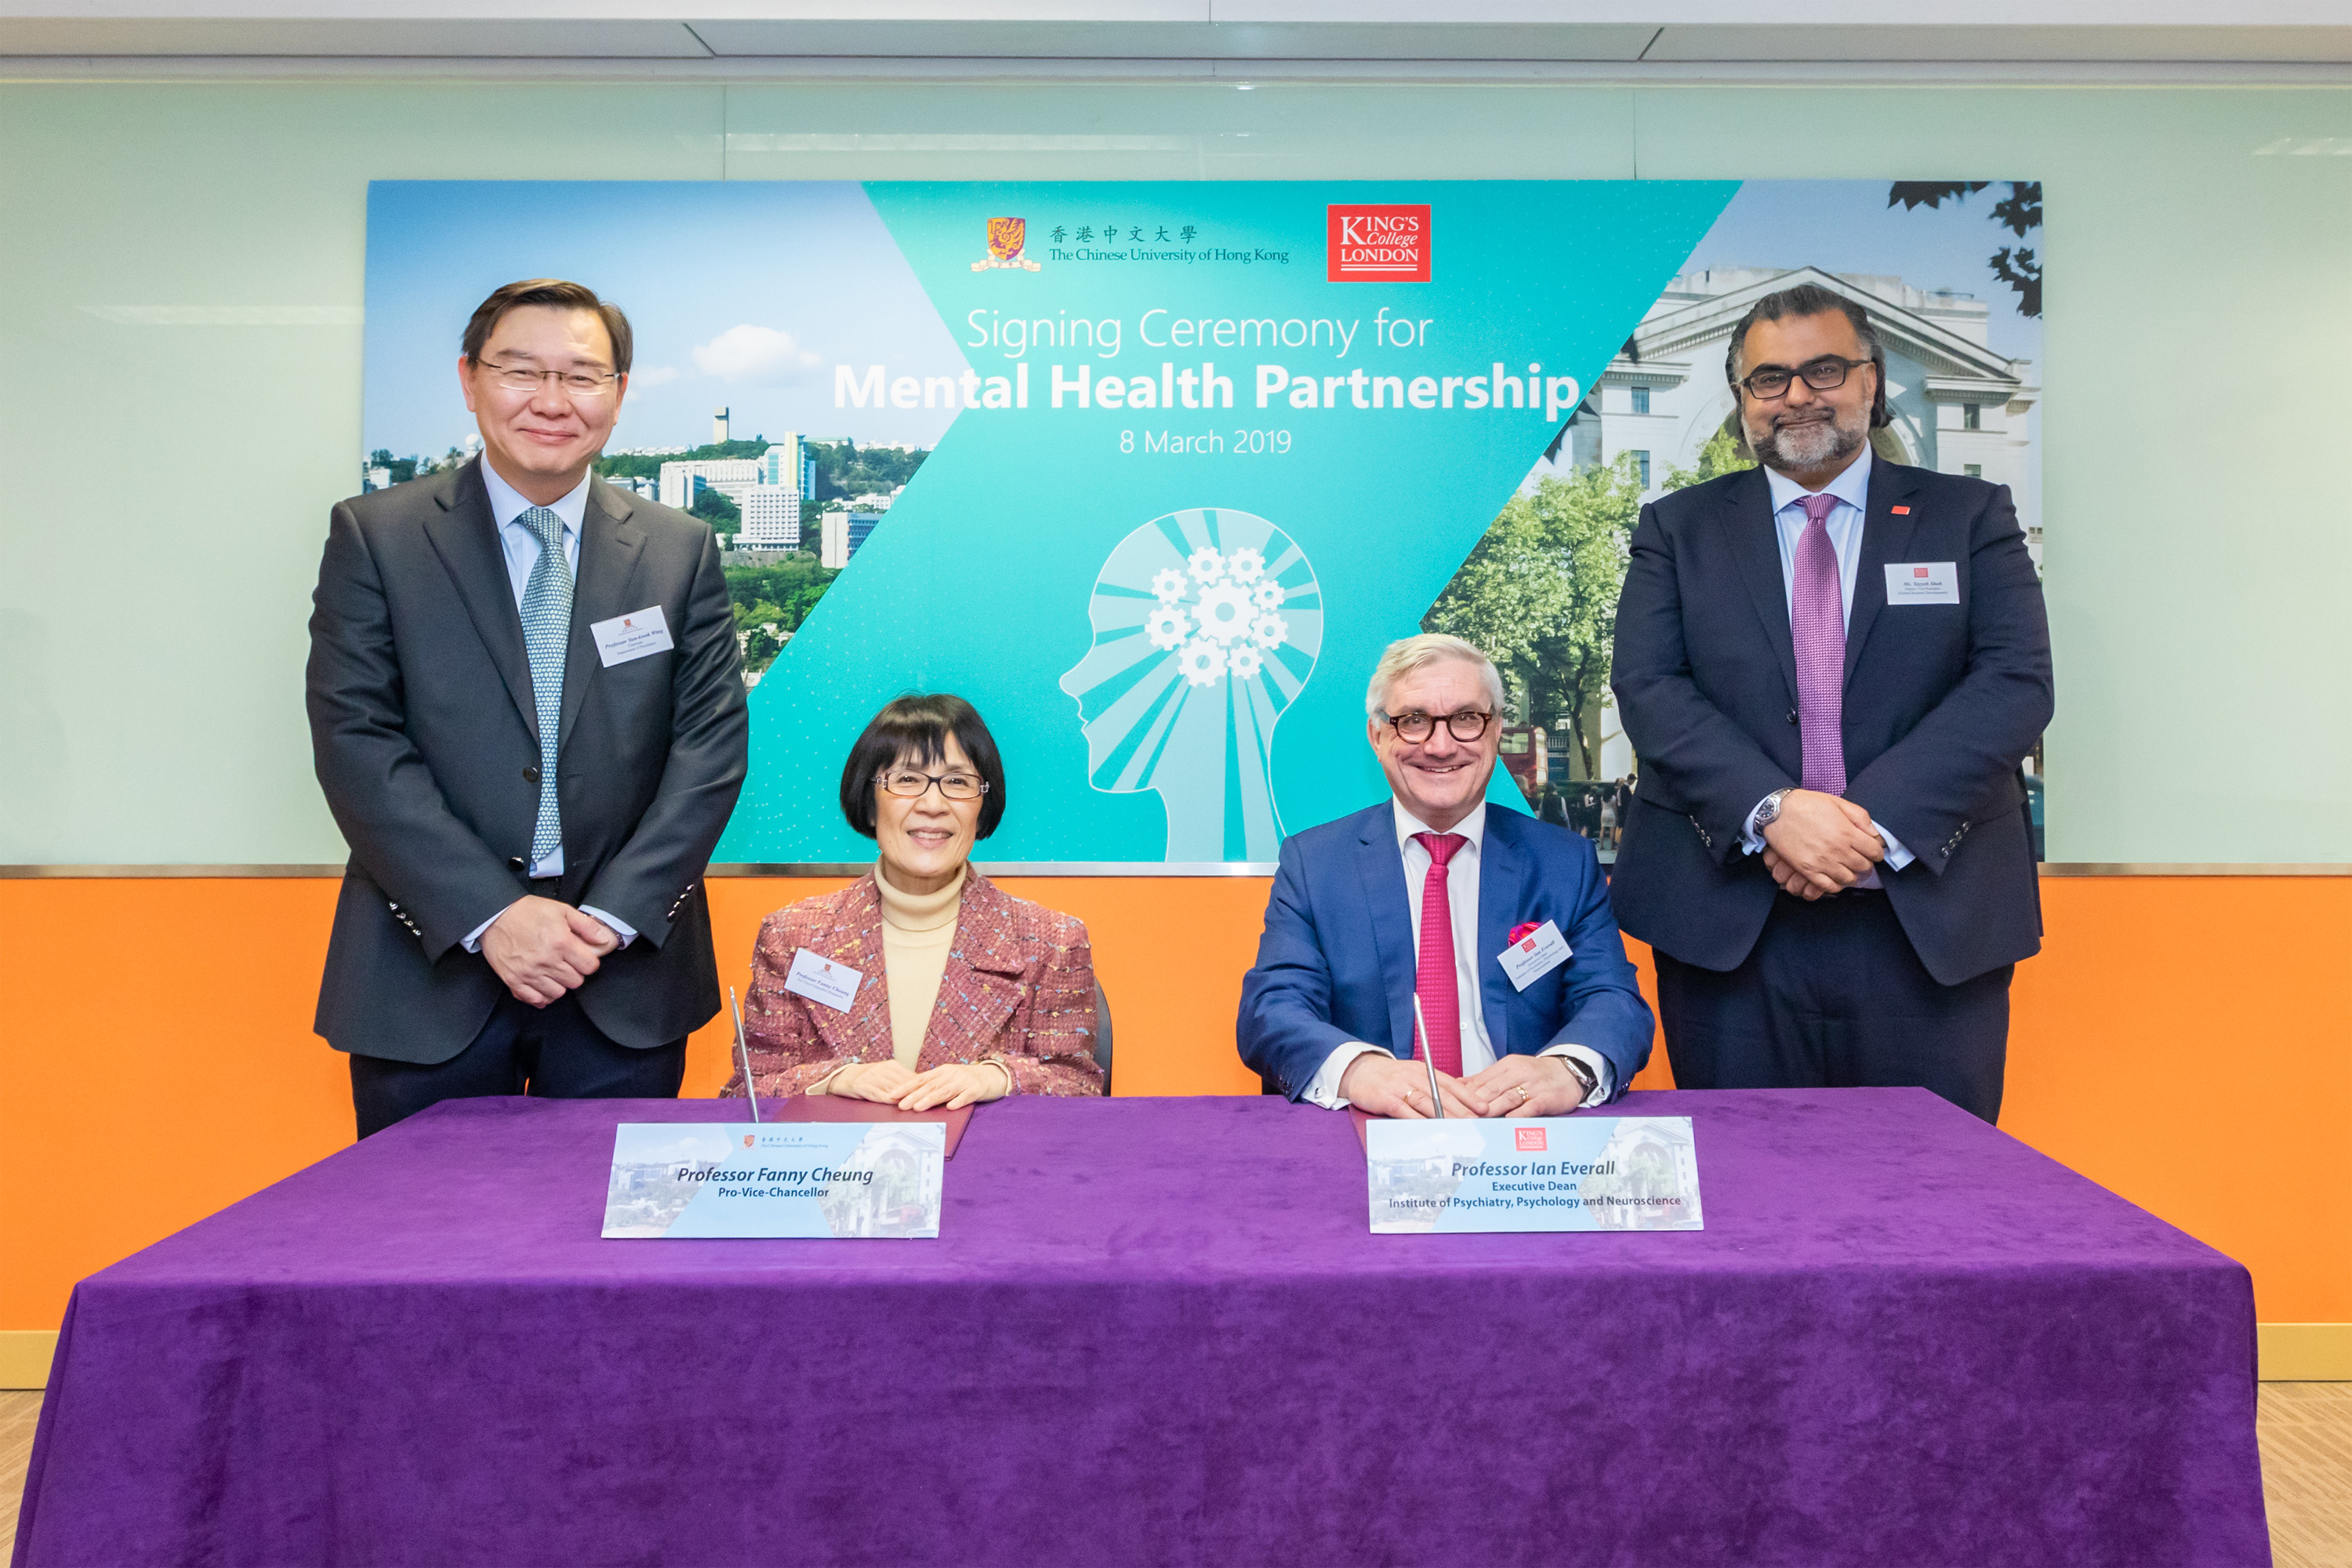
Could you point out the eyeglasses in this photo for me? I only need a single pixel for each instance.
(1415, 728)
(909, 785)
(1768, 382)
(578, 383)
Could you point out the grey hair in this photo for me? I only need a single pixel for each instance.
(1409, 656)
(1812, 300)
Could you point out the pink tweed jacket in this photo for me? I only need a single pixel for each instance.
(1019, 990)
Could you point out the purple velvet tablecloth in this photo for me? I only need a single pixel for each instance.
(1158, 1331)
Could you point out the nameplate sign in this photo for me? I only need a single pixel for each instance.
(673, 1179)
(1550, 1172)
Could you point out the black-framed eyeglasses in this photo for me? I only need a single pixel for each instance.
(1769, 382)
(909, 785)
(529, 378)
(1415, 728)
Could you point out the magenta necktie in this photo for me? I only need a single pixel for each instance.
(1817, 626)
(1440, 992)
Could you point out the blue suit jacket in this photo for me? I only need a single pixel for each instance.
(1940, 702)
(1336, 962)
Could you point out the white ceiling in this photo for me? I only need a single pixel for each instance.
(1652, 32)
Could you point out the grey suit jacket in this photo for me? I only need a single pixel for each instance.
(426, 736)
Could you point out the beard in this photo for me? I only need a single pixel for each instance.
(1811, 444)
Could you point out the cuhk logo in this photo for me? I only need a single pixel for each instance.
(1531, 1140)
(1378, 244)
(747, 1139)
(1918, 571)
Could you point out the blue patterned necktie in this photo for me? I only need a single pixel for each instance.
(546, 635)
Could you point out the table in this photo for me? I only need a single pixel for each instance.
(1158, 1331)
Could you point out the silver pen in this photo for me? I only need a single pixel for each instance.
(1436, 1102)
(743, 1054)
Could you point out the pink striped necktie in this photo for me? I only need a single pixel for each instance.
(1440, 990)
(1817, 627)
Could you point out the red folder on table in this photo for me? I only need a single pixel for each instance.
(830, 1108)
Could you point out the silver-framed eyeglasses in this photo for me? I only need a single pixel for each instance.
(1415, 728)
(1769, 382)
(907, 784)
(528, 378)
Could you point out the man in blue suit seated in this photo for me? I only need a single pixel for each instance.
(1427, 895)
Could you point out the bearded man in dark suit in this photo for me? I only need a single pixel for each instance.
(1831, 668)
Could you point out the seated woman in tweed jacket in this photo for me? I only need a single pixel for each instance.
(968, 994)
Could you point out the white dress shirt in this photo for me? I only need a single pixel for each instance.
(520, 547)
(1462, 898)
(1843, 526)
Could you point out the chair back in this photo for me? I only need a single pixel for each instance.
(1102, 1035)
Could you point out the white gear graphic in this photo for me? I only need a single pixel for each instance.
(1268, 595)
(1246, 565)
(1270, 631)
(1244, 661)
(1169, 585)
(1202, 661)
(1225, 611)
(1167, 626)
(1206, 565)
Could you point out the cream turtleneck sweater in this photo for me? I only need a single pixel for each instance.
(917, 930)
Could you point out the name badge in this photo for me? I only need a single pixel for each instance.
(820, 979)
(1536, 955)
(633, 636)
(675, 1179)
(1537, 1172)
(1922, 583)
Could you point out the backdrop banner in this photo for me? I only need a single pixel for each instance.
(1151, 472)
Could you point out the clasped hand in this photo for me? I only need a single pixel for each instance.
(544, 947)
(1382, 1085)
(1819, 844)
(951, 1085)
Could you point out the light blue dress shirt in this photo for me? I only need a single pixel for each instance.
(1844, 525)
(520, 547)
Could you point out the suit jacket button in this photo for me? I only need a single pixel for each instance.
(1793, 715)
(514, 862)
(530, 773)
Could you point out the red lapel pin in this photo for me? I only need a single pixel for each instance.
(1900, 511)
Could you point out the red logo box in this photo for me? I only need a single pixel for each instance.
(1531, 1140)
(1379, 244)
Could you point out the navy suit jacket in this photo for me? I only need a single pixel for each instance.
(1941, 704)
(1337, 960)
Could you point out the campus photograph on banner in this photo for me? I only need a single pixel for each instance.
(1151, 472)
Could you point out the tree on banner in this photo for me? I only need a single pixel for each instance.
(1539, 594)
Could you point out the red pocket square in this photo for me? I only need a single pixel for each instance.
(1524, 929)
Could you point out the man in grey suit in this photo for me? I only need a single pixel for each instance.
(526, 713)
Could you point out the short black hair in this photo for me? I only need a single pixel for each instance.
(1812, 300)
(916, 728)
(560, 295)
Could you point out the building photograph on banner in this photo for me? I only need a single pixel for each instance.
(1151, 472)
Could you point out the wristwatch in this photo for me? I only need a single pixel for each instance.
(1770, 812)
(1583, 1076)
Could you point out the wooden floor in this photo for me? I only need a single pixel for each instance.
(2307, 1436)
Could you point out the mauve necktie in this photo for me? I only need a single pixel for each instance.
(1817, 626)
(1440, 992)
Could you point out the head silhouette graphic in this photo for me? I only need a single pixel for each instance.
(1206, 624)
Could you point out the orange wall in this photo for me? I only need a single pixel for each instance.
(2182, 1040)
